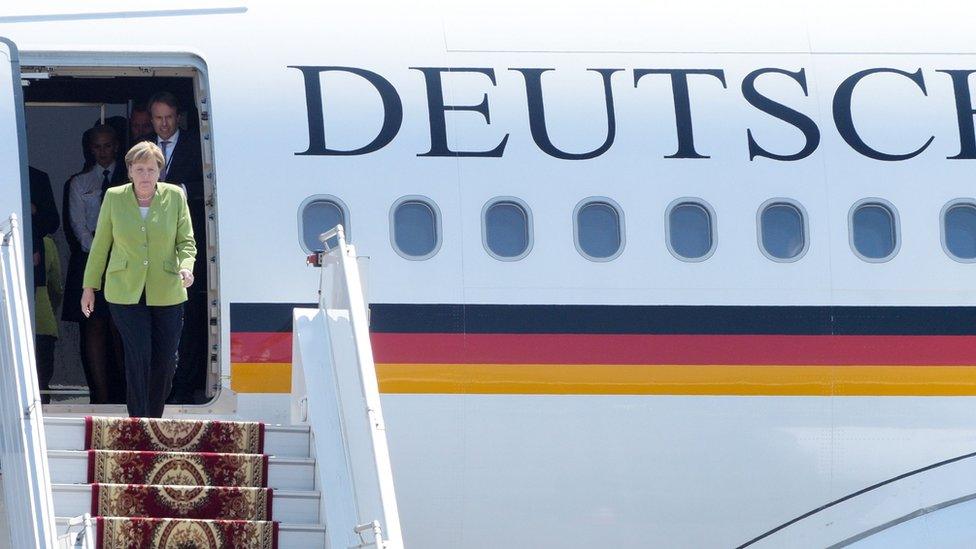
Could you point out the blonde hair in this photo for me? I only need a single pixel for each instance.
(143, 152)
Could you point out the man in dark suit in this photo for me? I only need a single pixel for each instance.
(44, 222)
(184, 166)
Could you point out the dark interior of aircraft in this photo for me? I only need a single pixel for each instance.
(80, 360)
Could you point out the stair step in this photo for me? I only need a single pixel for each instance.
(290, 535)
(300, 507)
(68, 433)
(71, 467)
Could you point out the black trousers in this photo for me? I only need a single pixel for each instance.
(151, 338)
(44, 353)
(191, 375)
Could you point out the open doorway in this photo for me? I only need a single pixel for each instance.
(73, 115)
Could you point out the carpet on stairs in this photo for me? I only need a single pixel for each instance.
(180, 484)
(195, 502)
(142, 533)
(174, 435)
(177, 468)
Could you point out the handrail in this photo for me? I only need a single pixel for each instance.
(23, 449)
(352, 392)
(325, 237)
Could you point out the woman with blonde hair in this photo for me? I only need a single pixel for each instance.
(144, 246)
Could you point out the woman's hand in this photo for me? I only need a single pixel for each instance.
(87, 301)
(187, 277)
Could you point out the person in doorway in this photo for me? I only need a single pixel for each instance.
(121, 126)
(87, 189)
(181, 150)
(145, 238)
(76, 256)
(98, 340)
(184, 167)
(140, 125)
(47, 299)
(44, 220)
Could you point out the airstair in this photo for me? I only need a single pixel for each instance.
(324, 481)
(23, 452)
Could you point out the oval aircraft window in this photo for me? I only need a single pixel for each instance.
(782, 232)
(690, 231)
(415, 230)
(506, 230)
(598, 231)
(874, 231)
(960, 231)
(320, 215)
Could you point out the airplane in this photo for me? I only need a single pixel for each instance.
(639, 274)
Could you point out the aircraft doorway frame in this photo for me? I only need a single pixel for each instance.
(100, 105)
(94, 64)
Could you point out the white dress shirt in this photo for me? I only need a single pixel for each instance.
(168, 154)
(84, 201)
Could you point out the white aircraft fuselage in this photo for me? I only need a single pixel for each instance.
(641, 399)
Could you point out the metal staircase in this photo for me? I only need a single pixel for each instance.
(332, 359)
(23, 455)
(291, 475)
(330, 472)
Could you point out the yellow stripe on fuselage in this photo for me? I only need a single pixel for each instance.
(601, 379)
(604, 379)
(260, 377)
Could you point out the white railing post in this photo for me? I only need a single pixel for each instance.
(80, 533)
(23, 449)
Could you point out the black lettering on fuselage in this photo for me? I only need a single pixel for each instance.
(537, 115)
(795, 118)
(392, 111)
(844, 120)
(436, 109)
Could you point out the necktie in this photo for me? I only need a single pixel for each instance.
(164, 145)
(106, 182)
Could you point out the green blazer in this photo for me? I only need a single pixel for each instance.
(145, 253)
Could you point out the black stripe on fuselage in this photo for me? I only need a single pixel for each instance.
(631, 319)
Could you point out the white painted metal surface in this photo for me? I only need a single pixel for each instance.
(13, 159)
(335, 391)
(487, 470)
(23, 452)
(888, 506)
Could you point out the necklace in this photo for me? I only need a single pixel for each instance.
(143, 198)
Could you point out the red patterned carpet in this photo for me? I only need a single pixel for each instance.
(177, 468)
(195, 502)
(142, 533)
(173, 435)
(179, 484)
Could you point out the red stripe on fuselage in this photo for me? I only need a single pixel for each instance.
(260, 347)
(633, 349)
(671, 349)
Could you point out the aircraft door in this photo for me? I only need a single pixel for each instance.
(13, 154)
